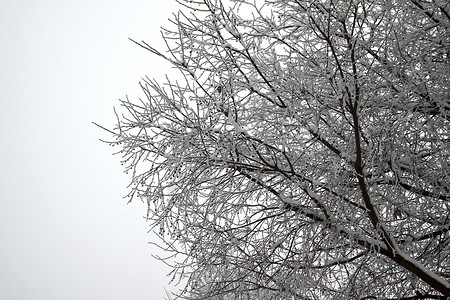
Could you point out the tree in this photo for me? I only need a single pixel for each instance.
(305, 152)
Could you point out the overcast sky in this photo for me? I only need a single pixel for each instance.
(65, 230)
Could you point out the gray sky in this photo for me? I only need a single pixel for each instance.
(65, 230)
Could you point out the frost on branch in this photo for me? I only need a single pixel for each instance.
(305, 152)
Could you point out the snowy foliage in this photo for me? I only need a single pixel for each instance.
(306, 153)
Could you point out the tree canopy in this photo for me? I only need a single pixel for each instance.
(304, 154)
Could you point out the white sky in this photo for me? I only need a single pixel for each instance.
(65, 230)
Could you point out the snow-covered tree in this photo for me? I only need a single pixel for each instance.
(305, 152)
